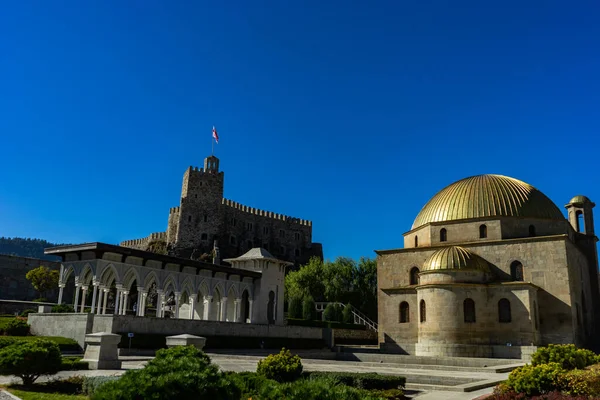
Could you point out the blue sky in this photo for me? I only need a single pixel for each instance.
(351, 114)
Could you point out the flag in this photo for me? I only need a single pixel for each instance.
(215, 135)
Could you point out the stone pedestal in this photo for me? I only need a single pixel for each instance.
(186, 340)
(101, 350)
(44, 309)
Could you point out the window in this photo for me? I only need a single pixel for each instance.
(190, 218)
(416, 241)
(281, 233)
(297, 252)
(580, 222)
(531, 230)
(423, 311)
(504, 315)
(232, 240)
(204, 236)
(482, 232)
(469, 310)
(200, 185)
(414, 276)
(195, 196)
(297, 236)
(516, 271)
(282, 250)
(404, 313)
(266, 230)
(265, 246)
(443, 235)
(249, 244)
(249, 226)
(205, 218)
(535, 319)
(233, 221)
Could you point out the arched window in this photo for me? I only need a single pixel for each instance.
(580, 222)
(204, 236)
(469, 310)
(504, 315)
(416, 241)
(535, 317)
(482, 231)
(443, 235)
(414, 276)
(516, 271)
(531, 230)
(404, 313)
(423, 311)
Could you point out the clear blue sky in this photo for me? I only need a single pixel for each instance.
(351, 114)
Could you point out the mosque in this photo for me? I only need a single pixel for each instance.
(490, 268)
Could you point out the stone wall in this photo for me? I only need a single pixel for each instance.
(76, 326)
(354, 336)
(14, 285)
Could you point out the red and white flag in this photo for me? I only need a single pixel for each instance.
(215, 135)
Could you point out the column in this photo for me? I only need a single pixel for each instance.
(138, 302)
(192, 306)
(158, 303)
(84, 290)
(76, 303)
(142, 305)
(60, 292)
(117, 302)
(94, 296)
(125, 302)
(100, 295)
(106, 292)
(223, 309)
(250, 310)
(237, 310)
(177, 297)
(207, 306)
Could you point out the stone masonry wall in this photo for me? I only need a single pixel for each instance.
(14, 285)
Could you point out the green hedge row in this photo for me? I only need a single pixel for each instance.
(367, 381)
(64, 344)
(73, 364)
(324, 324)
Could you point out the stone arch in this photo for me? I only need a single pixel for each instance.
(218, 286)
(130, 276)
(86, 275)
(516, 270)
(232, 295)
(469, 311)
(414, 276)
(66, 273)
(150, 278)
(403, 313)
(152, 284)
(170, 284)
(248, 288)
(245, 306)
(504, 313)
(108, 274)
(188, 286)
(216, 302)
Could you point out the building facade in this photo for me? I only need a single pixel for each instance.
(204, 216)
(490, 268)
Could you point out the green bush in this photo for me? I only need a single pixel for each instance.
(62, 308)
(581, 382)
(295, 308)
(64, 344)
(6, 341)
(282, 367)
(368, 381)
(339, 311)
(569, 356)
(91, 383)
(180, 373)
(317, 389)
(16, 327)
(308, 309)
(70, 385)
(73, 364)
(535, 379)
(250, 384)
(29, 360)
(329, 313)
(347, 316)
(26, 313)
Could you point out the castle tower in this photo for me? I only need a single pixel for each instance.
(198, 220)
(581, 216)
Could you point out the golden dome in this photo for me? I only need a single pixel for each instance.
(453, 258)
(580, 200)
(487, 196)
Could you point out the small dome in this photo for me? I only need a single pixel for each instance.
(579, 200)
(453, 258)
(487, 196)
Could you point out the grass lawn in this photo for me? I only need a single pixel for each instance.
(30, 395)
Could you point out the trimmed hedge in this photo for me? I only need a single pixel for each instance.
(91, 383)
(29, 360)
(73, 364)
(367, 381)
(64, 344)
(282, 367)
(17, 326)
(325, 324)
(567, 355)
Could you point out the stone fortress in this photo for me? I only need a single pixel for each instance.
(205, 216)
(491, 268)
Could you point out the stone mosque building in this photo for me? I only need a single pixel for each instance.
(490, 268)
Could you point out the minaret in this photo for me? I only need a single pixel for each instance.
(581, 215)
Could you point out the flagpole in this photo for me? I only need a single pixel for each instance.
(212, 152)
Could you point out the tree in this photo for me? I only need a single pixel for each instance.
(29, 360)
(329, 313)
(308, 309)
(347, 316)
(43, 279)
(295, 308)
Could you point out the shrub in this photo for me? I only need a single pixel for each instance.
(282, 367)
(73, 364)
(62, 308)
(329, 313)
(25, 313)
(366, 381)
(70, 385)
(338, 315)
(535, 379)
(6, 341)
(569, 356)
(581, 382)
(29, 360)
(250, 384)
(308, 309)
(91, 383)
(555, 395)
(317, 389)
(347, 316)
(180, 373)
(295, 308)
(16, 327)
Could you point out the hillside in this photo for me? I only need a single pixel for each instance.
(25, 247)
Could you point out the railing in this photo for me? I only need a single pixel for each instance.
(359, 317)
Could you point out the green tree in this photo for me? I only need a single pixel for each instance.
(347, 316)
(295, 308)
(158, 247)
(30, 360)
(329, 313)
(43, 279)
(308, 309)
